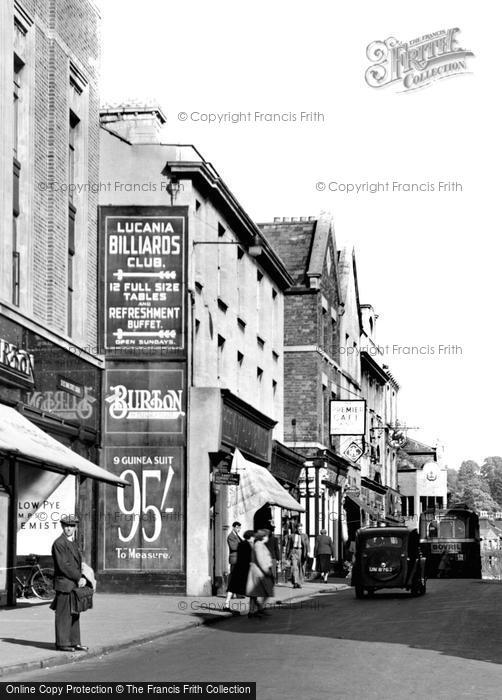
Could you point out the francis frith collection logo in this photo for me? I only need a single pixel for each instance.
(416, 63)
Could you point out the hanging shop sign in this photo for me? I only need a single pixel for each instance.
(143, 528)
(353, 451)
(144, 259)
(347, 417)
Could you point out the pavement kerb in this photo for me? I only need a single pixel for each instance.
(73, 657)
(333, 588)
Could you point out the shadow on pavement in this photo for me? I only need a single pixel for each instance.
(28, 643)
(459, 618)
(26, 604)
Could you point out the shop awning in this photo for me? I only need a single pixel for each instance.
(21, 437)
(364, 506)
(257, 487)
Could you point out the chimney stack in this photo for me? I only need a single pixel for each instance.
(137, 122)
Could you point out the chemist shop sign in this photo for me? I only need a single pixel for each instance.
(143, 524)
(144, 279)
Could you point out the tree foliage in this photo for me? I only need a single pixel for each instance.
(480, 487)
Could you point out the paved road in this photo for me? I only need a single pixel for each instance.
(443, 645)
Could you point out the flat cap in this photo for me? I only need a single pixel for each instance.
(69, 520)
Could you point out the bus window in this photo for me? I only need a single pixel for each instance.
(433, 529)
(446, 529)
(459, 529)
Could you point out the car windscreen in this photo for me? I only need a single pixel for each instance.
(386, 541)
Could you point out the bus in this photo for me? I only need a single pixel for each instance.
(451, 536)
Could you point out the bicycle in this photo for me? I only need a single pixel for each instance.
(38, 581)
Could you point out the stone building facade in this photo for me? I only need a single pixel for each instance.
(49, 163)
(233, 359)
(50, 371)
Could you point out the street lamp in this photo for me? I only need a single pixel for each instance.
(173, 188)
(254, 250)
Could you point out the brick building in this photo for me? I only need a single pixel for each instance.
(349, 480)
(314, 370)
(49, 369)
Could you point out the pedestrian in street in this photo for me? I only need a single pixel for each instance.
(324, 549)
(274, 549)
(297, 549)
(260, 584)
(67, 559)
(444, 566)
(233, 541)
(239, 575)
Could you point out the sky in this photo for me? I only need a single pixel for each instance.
(428, 261)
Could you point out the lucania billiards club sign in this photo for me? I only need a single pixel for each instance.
(144, 252)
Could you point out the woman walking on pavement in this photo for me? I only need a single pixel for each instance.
(239, 574)
(260, 585)
(323, 551)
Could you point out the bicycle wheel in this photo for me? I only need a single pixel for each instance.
(42, 584)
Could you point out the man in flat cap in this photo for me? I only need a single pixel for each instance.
(67, 576)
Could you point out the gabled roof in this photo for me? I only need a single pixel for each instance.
(324, 231)
(292, 241)
(302, 245)
(414, 455)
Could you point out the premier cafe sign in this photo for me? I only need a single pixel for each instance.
(348, 417)
(16, 365)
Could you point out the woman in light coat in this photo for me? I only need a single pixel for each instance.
(261, 576)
